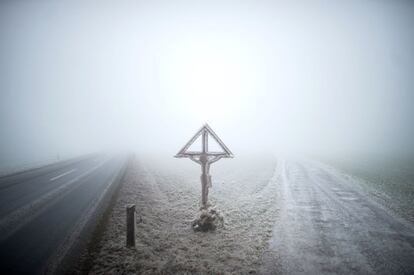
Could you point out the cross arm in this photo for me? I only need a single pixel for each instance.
(214, 159)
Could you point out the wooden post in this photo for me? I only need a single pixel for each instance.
(204, 191)
(130, 220)
(204, 170)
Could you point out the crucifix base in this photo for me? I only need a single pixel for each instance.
(209, 220)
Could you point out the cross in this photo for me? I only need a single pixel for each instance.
(205, 157)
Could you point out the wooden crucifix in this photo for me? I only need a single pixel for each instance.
(205, 157)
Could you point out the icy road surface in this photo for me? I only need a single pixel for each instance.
(44, 212)
(328, 224)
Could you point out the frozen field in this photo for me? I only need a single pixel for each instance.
(283, 217)
(167, 197)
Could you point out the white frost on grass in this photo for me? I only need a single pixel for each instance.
(167, 194)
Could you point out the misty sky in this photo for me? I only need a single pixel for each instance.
(308, 76)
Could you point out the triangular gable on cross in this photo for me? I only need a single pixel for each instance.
(205, 132)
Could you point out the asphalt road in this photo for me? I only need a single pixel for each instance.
(42, 209)
(328, 225)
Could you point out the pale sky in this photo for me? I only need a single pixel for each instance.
(304, 76)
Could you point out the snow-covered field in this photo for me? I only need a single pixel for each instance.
(167, 194)
(280, 217)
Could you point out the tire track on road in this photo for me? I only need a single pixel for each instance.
(327, 226)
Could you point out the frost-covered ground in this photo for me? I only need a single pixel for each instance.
(281, 217)
(167, 193)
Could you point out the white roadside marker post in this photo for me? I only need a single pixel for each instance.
(205, 158)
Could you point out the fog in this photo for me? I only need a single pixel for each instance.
(313, 77)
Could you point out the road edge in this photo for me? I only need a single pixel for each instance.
(77, 256)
